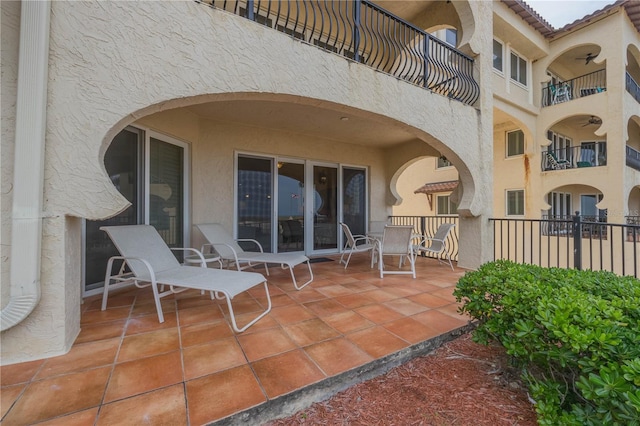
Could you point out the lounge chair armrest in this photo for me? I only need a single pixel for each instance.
(198, 253)
(369, 240)
(152, 275)
(205, 247)
(252, 241)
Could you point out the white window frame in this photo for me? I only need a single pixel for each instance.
(526, 68)
(502, 61)
(506, 202)
(506, 152)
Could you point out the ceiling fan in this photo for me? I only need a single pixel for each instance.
(592, 120)
(590, 57)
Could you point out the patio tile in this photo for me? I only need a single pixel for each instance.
(81, 357)
(309, 294)
(148, 306)
(45, 399)
(263, 324)
(281, 300)
(359, 286)
(9, 395)
(108, 315)
(19, 373)
(144, 323)
(446, 293)
(337, 355)
(325, 308)
(209, 358)
(158, 371)
(377, 341)
(265, 343)
(219, 395)
(311, 331)
(429, 300)
(355, 300)
(148, 344)
(200, 314)
(452, 309)
(335, 290)
(380, 295)
(291, 314)
(204, 332)
(347, 322)
(439, 321)
(194, 300)
(80, 418)
(411, 330)
(94, 332)
(379, 314)
(115, 301)
(164, 406)
(405, 306)
(286, 372)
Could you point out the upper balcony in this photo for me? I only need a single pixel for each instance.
(633, 158)
(632, 87)
(368, 34)
(557, 92)
(588, 154)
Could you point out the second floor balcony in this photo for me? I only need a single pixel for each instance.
(632, 87)
(368, 34)
(590, 154)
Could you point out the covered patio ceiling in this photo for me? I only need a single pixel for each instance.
(308, 120)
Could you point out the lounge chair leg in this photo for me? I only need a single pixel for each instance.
(295, 284)
(234, 325)
(156, 297)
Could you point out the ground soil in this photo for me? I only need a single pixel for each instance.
(461, 383)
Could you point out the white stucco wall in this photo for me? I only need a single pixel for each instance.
(113, 63)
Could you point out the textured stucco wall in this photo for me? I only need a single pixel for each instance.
(113, 63)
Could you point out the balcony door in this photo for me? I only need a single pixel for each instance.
(150, 171)
(295, 205)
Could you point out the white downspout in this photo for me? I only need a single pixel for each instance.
(28, 166)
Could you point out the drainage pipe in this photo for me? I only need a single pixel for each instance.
(28, 166)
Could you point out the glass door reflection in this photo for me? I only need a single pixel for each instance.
(325, 207)
(290, 206)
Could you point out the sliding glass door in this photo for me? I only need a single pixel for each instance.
(150, 171)
(295, 205)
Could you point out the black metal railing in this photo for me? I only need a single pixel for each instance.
(366, 33)
(632, 87)
(633, 158)
(426, 226)
(576, 242)
(588, 154)
(579, 87)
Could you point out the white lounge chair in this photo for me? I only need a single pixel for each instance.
(396, 241)
(437, 243)
(152, 262)
(356, 244)
(229, 250)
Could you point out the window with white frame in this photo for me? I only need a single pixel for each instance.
(497, 55)
(515, 202)
(445, 206)
(515, 143)
(518, 69)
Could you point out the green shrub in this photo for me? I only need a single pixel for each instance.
(575, 335)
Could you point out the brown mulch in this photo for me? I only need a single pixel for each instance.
(460, 383)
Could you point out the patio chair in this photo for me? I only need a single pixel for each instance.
(555, 164)
(153, 264)
(396, 241)
(356, 244)
(438, 243)
(230, 251)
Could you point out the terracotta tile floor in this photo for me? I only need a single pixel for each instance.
(126, 368)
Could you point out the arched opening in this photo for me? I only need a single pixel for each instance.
(574, 74)
(574, 142)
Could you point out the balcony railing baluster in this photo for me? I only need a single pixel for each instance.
(362, 31)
